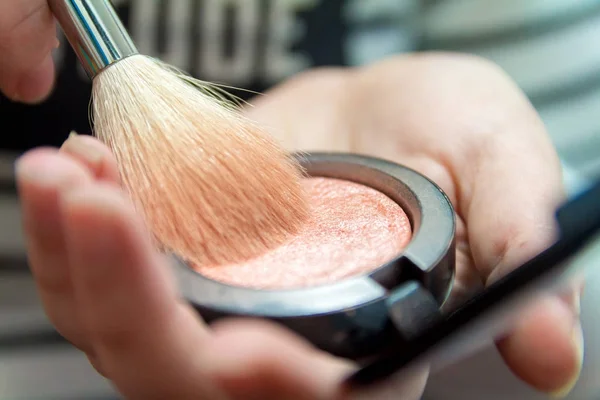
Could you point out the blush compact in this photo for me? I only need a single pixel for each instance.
(371, 269)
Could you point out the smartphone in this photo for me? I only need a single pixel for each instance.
(490, 313)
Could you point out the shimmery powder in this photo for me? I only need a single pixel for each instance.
(353, 229)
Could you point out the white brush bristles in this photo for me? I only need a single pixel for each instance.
(212, 187)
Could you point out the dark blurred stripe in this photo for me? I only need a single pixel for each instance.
(13, 263)
(99, 397)
(85, 398)
(8, 187)
(385, 22)
(89, 397)
(32, 340)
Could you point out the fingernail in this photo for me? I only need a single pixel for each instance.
(33, 172)
(80, 147)
(577, 341)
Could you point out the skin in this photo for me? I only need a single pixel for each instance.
(457, 119)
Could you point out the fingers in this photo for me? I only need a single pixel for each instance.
(115, 302)
(148, 342)
(508, 196)
(153, 346)
(119, 306)
(106, 288)
(262, 361)
(465, 124)
(546, 347)
(141, 333)
(27, 37)
(42, 176)
(499, 168)
(94, 155)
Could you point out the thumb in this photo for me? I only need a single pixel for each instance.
(27, 37)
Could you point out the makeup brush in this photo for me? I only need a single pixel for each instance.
(212, 186)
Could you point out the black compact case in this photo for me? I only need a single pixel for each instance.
(364, 316)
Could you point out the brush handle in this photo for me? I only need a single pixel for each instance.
(94, 31)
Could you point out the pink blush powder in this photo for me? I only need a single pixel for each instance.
(353, 229)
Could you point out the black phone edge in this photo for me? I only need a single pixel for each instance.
(578, 223)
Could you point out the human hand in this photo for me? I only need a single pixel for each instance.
(27, 38)
(460, 121)
(110, 293)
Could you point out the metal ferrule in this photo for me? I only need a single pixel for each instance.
(94, 31)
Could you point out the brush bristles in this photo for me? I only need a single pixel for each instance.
(212, 187)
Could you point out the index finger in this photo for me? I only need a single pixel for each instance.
(27, 37)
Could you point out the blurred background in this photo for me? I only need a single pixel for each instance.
(551, 48)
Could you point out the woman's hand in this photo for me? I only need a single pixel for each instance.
(456, 119)
(462, 122)
(27, 38)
